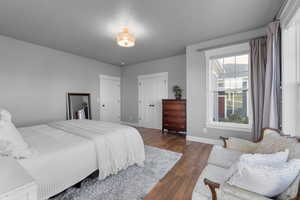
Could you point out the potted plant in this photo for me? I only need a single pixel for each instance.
(177, 91)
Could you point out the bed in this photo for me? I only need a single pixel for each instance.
(118, 145)
(69, 151)
(61, 161)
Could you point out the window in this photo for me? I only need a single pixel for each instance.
(291, 76)
(228, 87)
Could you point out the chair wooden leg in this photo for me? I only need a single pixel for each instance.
(212, 186)
(298, 194)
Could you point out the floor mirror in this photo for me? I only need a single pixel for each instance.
(78, 106)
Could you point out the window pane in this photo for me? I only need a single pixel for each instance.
(229, 85)
(242, 66)
(230, 107)
(229, 60)
(243, 59)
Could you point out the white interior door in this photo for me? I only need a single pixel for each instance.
(110, 98)
(152, 89)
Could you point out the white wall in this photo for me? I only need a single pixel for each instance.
(196, 86)
(34, 81)
(176, 68)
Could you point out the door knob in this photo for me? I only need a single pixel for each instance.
(103, 105)
(151, 105)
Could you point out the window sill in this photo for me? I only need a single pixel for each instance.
(225, 126)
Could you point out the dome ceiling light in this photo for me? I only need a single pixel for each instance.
(125, 38)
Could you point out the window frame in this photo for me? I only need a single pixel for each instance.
(233, 50)
(291, 75)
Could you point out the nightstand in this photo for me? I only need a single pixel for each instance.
(16, 183)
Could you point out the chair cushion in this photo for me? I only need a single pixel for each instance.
(213, 173)
(230, 192)
(223, 157)
(291, 192)
(252, 176)
(199, 196)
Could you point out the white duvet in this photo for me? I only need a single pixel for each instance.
(117, 146)
(61, 159)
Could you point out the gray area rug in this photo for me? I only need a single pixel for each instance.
(130, 184)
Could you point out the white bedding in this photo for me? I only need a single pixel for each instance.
(62, 159)
(118, 146)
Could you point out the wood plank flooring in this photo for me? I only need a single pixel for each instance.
(179, 182)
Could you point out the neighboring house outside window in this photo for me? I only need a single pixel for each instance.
(228, 87)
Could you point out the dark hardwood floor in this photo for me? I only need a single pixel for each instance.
(179, 182)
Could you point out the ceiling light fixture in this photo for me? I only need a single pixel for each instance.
(125, 39)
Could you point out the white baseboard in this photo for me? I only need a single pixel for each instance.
(204, 140)
(130, 123)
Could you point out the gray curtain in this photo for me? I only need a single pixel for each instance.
(258, 61)
(272, 106)
(265, 69)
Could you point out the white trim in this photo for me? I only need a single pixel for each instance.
(204, 140)
(288, 12)
(219, 52)
(229, 126)
(117, 78)
(130, 123)
(228, 40)
(165, 75)
(232, 49)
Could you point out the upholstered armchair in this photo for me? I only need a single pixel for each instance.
(212, 185)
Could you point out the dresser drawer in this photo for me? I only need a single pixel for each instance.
(176, 120)
(174, 113)
(175, 126)
(173, 106)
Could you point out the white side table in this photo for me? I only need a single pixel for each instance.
(15, 182)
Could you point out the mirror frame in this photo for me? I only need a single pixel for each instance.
(69, 94)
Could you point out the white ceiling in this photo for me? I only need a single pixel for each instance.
(162, 27)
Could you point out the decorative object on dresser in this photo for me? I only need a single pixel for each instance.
(177, 92)
(16, 183)
(174, 115)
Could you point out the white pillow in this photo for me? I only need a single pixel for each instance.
(259, 159)
(11, 141)
(5, 115)
(268, 159)
(265, 179)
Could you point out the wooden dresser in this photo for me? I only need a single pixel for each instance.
(174, 115)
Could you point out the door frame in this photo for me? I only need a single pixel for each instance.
(103, 77)
(154, 75)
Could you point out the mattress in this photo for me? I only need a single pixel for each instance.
(117, 146)
(62, 159)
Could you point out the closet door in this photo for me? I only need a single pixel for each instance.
(152, 89)
(110, 99)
